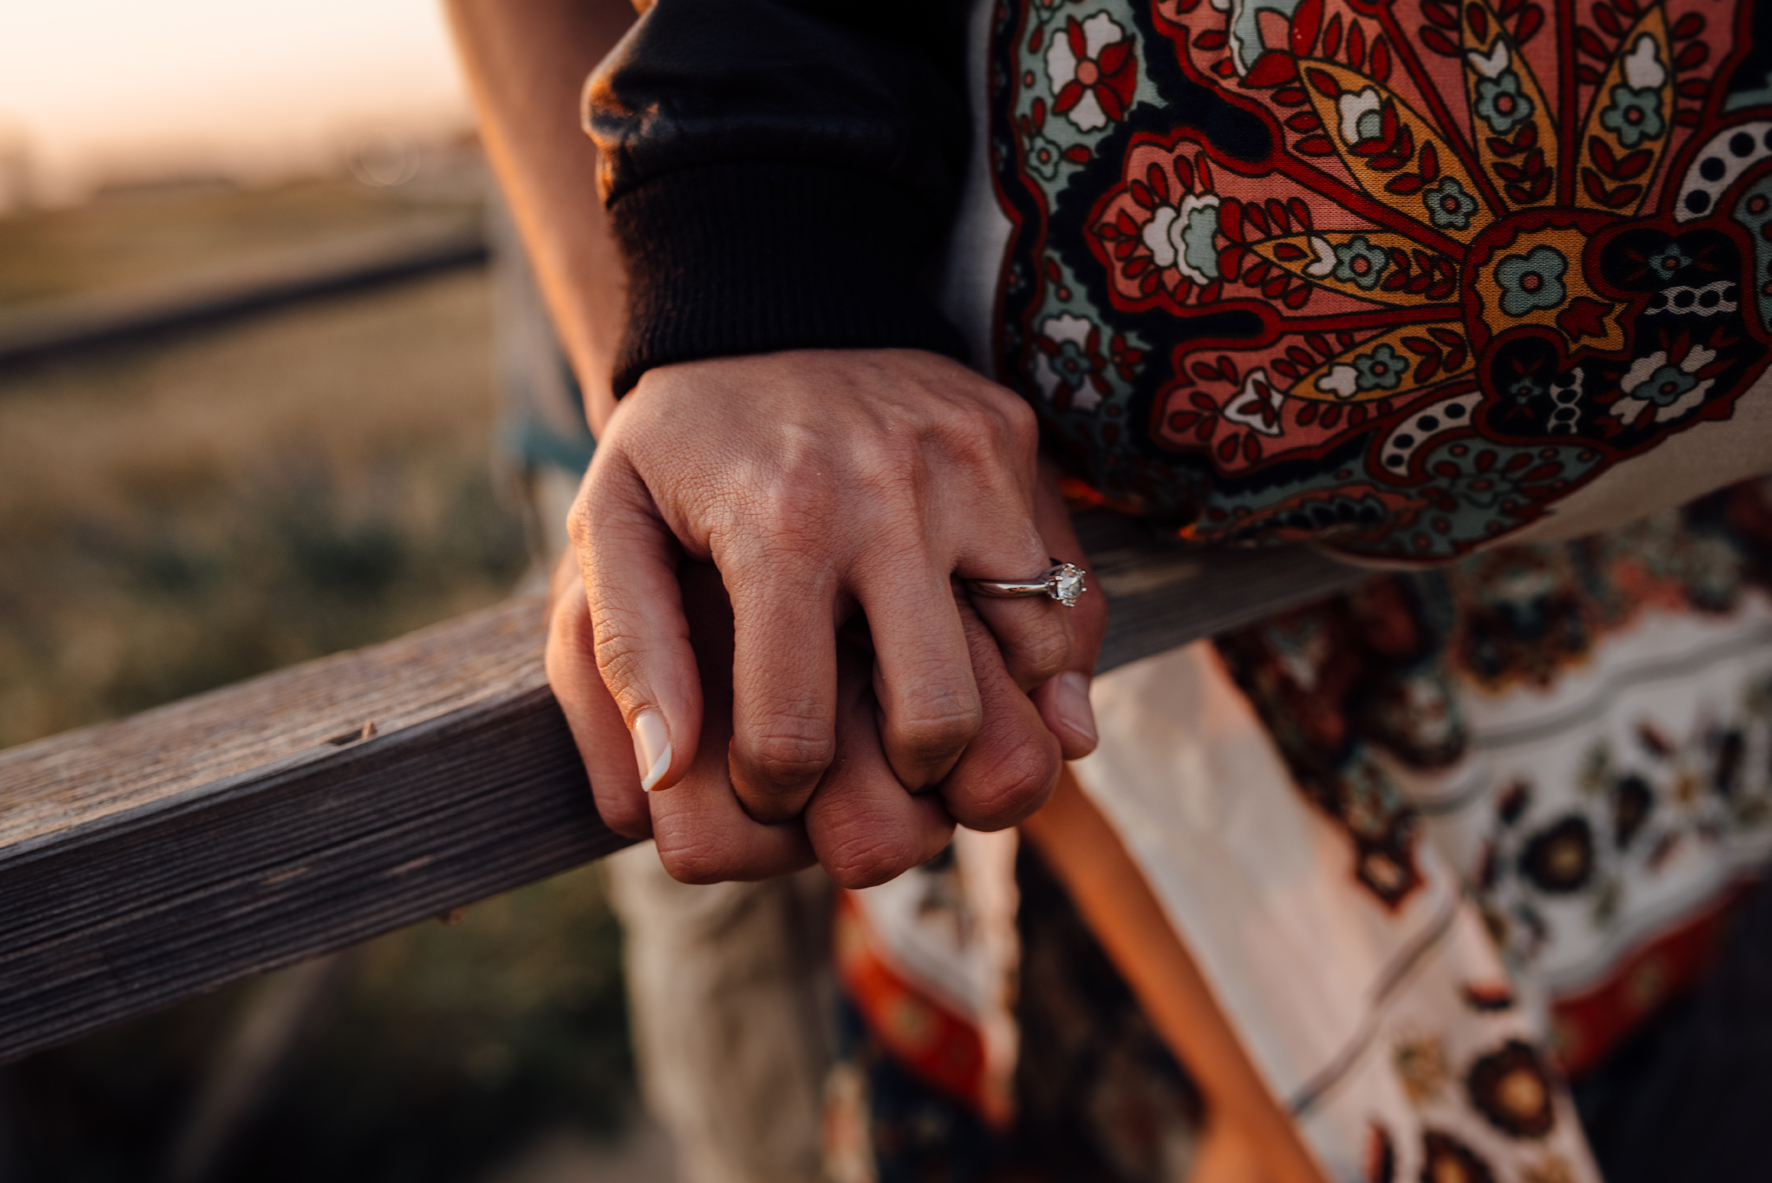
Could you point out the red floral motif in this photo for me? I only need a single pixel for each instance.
(1480, 240)
(1109, 75)
(1071, 370)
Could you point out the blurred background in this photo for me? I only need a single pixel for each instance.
(190, 497)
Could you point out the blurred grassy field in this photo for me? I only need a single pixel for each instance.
(179, 514)
(131, 238)
(178, 517)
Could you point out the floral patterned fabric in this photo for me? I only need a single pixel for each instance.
(1397, 276)
(1096, 1093)
(1584, 730)
(1403, 278)
(1391, 1030)
(1434, 843)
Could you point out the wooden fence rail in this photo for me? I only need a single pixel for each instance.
(157, 857)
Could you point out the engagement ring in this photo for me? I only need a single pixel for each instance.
(1062, 581)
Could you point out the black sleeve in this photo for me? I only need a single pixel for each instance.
(778, 173)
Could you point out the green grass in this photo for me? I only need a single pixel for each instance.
(176, 518)
(183, 514)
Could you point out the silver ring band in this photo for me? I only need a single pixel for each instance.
(1061, 581)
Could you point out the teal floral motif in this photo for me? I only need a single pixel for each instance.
(1449, 207)
(1532, 280)
(1673, 389)
(1480, 488)
(1181, 237)
(1361, 116)
(1200, 225)
(1357, 261)
(1663, 387)
(1526, 389)
(1634, 115)
(1044, 156)
(1073, 365)
(1381, 369)
(1501, 103)
(1667, 262)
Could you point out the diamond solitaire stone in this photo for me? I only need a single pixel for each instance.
(1065, 584)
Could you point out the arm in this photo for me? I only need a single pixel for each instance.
(779, 174)
(521, 58)
(778, 171)
(526, 62)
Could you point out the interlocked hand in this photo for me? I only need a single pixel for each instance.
(826, 487)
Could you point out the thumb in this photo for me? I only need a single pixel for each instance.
(628, 558)
(1063, 700)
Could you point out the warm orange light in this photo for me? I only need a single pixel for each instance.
(102, 86)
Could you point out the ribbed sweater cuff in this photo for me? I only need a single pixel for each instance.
(751, 258)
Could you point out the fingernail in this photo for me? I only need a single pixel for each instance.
(1071, 701)
(652, 748)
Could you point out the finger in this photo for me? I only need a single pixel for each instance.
(784, 674)
(1011, 767)
(1033, 632)
(704, 834)
(591, 714)
(628, 558)
(864, 827)
(928, 705)
(1063, 700)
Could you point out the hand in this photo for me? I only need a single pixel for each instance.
(860, 823)
(873, 828)
(817, 482)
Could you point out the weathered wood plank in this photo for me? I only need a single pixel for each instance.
(157, 857)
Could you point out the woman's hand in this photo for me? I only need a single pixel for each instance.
(861, 824)
(817, 482)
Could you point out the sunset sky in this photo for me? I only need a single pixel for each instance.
(101, 87)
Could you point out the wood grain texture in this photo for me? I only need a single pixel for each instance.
(1162, 594)
(154, 858)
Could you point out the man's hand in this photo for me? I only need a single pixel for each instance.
(818, 482)
(861, 823)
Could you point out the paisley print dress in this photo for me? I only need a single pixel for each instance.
(1404, 280)
(1395, 277)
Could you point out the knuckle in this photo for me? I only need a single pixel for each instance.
(1020, 424)
(864, 853)
(1043, 652)
(697, 857)
(1015, 787)
(867, 863)
(790, 756)
(792, 493)
(971, 431)
(892, 480)
(938, 733)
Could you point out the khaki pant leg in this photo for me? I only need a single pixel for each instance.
(731, 990)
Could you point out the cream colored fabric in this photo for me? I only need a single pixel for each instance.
(1337, 998)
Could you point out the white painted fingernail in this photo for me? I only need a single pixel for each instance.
(1072, 702)
(652, 748)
